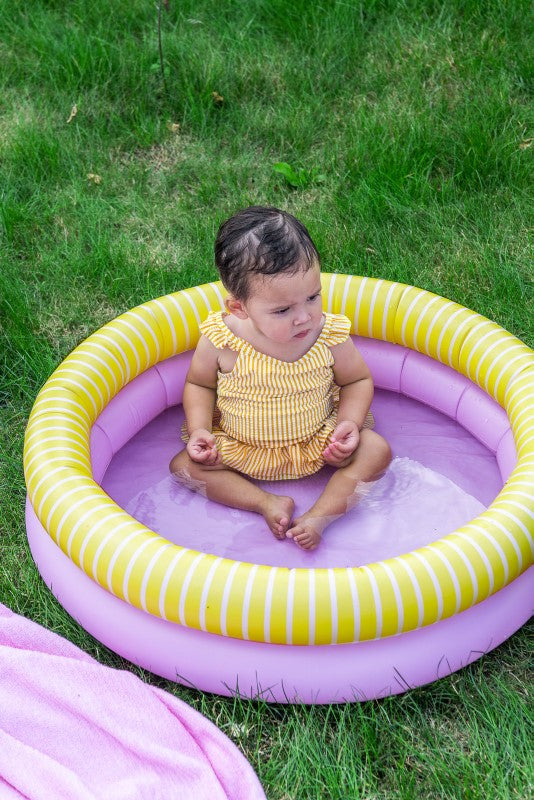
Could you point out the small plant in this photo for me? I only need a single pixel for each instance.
(298, 178)
(162, 67)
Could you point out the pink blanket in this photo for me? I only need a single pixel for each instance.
(72, 729)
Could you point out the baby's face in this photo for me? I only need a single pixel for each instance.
(286, 308)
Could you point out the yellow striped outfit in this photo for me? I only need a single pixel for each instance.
(273, 418)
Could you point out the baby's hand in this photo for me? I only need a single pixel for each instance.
(201, 448)
(343, 442)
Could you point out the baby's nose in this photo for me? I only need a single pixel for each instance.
(302, 317)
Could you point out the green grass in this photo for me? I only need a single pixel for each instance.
(419, 117)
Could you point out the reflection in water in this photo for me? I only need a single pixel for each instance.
(409, 507)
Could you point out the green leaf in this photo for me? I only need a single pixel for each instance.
(287, 171)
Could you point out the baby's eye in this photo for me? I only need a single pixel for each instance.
(282, 310)
(314, 296)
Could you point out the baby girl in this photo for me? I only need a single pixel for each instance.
(276, 387)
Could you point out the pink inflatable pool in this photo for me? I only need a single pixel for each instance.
(453, 452)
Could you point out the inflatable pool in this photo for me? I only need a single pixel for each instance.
(209, 599)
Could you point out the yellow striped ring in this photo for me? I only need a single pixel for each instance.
(275, 604)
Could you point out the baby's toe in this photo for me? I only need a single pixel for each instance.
(296, 530)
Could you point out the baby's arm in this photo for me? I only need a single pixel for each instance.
(352, 375)
(199, 401)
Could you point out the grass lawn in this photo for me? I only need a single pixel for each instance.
(411, 124)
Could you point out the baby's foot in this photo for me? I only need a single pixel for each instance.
(277, 512)
(306, 531)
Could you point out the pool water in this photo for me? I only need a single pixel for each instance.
(440, 478)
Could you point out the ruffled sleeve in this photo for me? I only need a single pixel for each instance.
(336, 329)
(216, 330)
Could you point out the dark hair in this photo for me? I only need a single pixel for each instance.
(261, 240)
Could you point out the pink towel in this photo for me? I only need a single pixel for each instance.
(72, 729)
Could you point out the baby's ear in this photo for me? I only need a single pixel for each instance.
(235, 306)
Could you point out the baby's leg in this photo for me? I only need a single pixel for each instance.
(342, 491)
(231, 488)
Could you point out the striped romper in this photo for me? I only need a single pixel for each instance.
(273, 418)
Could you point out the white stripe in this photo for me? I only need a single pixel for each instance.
(386, 310)
(331, 291)
(203, 295)
(82, 373)
(433, 323)
(109, 354)
(268, 602)
(497, 358)
(407, 316)
(372, 307)
(456, 334)
(434, 580)
(289, 606)
(60, 395)
(130, 344)
(246, 600)
(148, 572)
(478, 342)
(483, 556)
(191, 302)
(444, 331)
(78, 448)
(507, 366)
(67, 460)
(84, 363)
(225, 597)
(378, 604)
(169, 322)
(125, 374)
(137, 332)
(80, 438)
(178, 307)
(37, 428)
(123, 543)
(452, 574)
(311, 606)
(43, 423)
(511, 490)
(518, 522)
(358, 303)
(527, 411)
(496, 546)
(522, 442)
(218, 292)
(164, 584)
(151, 331)
(333, 605)
(487, 351)
(42, 438)
(355, 602)
(420, 319)
(56, 485)
(527, 423)
(348, 282)
(468, 566)
(416, 588)
(523, 387)
(47, 476)
(83, 473)
(398, 597)
(109, 535)
(130, 567)
(80, 521)
(63, 380)
(205, 592)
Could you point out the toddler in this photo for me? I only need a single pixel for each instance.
(276, 388)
